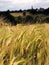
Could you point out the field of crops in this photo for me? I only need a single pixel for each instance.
(24, 44)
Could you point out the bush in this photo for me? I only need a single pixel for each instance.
(18, 19)
(46, 20)
(37, 19)
(29, 18)
(24, 13)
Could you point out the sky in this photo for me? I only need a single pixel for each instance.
(22, 4)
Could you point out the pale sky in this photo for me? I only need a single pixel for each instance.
(22, 4)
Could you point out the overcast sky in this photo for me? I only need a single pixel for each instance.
(22, 4)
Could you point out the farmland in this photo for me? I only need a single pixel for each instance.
(24, 32)
(24, 38)
(24, 44)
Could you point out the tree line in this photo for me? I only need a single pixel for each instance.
(32, 11)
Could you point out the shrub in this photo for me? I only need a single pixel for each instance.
(37, 19)
(29, 18)
(24, 13)
(46, 20)
(19, 19)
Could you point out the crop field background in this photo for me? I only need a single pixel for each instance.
(24, 44)
(18, 14)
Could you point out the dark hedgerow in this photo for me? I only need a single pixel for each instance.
(37, 19)
(46, 20)
(19, 19)
(29, 18)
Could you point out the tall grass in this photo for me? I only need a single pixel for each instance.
(24, 45)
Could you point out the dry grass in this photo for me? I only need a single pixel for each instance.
(4, 22)
(18, 14)
(24, 44)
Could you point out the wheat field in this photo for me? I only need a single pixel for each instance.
(24, 44)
